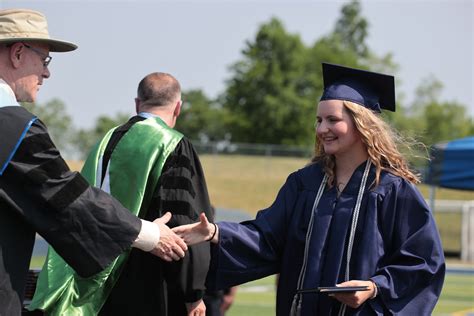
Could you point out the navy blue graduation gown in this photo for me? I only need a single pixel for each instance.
(396, 245)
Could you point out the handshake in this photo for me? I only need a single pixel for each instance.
(174, 242)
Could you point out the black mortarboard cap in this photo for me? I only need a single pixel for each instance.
(372, 90)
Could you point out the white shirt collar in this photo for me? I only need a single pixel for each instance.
(147, 115)
(7, 97)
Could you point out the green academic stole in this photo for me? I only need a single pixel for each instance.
(142, 152)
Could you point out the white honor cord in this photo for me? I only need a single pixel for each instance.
(296, 305)
(297, 299)
(355, 218)
(310, 231)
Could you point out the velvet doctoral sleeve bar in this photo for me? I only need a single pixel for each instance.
(182, 190)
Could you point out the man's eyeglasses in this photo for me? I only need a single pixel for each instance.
(46, 59)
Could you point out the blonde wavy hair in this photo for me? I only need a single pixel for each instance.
(381, 141)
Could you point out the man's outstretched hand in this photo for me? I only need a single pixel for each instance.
(171, 246)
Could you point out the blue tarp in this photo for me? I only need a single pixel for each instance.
(452, 164)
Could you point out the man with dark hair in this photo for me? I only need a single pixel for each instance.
(166, 175)
(38, 192)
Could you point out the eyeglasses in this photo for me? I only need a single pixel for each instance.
(46, 60)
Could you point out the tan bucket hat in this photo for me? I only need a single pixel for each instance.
(22, 25)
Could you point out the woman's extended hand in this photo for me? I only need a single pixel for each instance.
(198, 232)
(355, 299)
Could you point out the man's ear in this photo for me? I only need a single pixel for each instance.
(16, 54)
(177, 109)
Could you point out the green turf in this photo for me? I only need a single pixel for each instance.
(249, 301)
(449, 226)
(251, 183)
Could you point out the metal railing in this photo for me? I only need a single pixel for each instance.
(227, 148)
(466, 209)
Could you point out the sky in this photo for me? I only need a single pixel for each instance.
(197, 41)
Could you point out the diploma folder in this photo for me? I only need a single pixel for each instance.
(334, 289)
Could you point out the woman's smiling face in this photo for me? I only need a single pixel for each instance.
(335, 129)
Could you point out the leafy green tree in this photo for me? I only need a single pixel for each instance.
(351, 29)
(85, 139)
(347, 43)
(427, 92)
(446, 121)
(201, 118)
(276, 86)
(438, 120)
(266, 94)
(328, 49)
(337, 49)
(59, 123)
(471, 128)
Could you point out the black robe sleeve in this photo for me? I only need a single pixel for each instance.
(86, 226)
(182, 190)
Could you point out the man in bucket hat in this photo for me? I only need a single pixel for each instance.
(38, 192)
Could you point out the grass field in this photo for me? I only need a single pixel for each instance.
(250, 183)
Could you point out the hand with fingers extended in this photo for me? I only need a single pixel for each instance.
(355, 299)
(198, 232)
(171, 246)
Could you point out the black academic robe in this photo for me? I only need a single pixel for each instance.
(396, 245)
(148, 285)
(39, 194)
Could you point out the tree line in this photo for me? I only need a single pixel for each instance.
(272, 92)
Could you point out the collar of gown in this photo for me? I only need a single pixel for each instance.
(7, 97)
